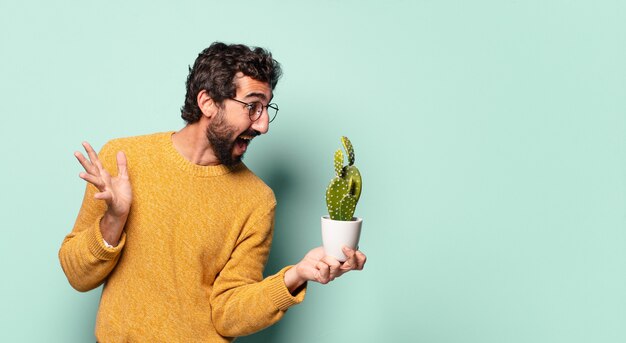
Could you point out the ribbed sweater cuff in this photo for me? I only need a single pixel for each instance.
(95, 241)
(279, 293)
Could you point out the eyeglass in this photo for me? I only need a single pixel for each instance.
(255, 109)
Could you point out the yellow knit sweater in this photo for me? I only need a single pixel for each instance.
(189, 264)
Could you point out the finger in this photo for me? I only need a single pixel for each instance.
(122, 169)
(333, 266)
(96, 181)
(90, 151)
(106, 179)
(83, 161)
(317, 253)
(361, 259)
(351, 261)
(106, 195)
(93, 157)
(99, 166)
(323, 272)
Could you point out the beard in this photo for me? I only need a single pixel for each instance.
(220, 136)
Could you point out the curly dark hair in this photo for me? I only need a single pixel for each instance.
(214, 71)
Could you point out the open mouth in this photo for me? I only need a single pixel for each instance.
(243, 141)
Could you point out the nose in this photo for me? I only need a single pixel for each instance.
(262, 124)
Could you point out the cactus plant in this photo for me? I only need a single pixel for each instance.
(344, 189)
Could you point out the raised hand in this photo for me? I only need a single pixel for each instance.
(116, 191)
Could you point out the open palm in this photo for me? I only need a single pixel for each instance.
(116, 191)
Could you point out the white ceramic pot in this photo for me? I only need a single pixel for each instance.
(337, 233)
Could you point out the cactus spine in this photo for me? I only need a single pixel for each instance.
(344, 189)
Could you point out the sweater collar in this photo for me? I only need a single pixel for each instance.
(192, 168)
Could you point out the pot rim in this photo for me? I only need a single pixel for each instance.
(354, 219)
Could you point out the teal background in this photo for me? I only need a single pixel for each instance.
(490, 135)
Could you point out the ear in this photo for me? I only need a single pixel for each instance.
(206, 104)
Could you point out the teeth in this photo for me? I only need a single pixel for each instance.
(246, 137)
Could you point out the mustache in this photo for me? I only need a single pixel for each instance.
(251, 133)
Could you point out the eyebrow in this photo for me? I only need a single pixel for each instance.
(257, 95)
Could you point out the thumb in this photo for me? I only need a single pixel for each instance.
(122, 169)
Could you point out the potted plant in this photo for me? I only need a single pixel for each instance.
(340, 227)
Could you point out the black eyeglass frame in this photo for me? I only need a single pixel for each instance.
(254, 112)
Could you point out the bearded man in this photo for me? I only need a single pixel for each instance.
(178, 229)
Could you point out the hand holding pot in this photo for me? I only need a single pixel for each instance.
(317, 266)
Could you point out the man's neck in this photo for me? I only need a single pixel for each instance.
(192, 143)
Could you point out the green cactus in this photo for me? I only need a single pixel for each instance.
(344, 189)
